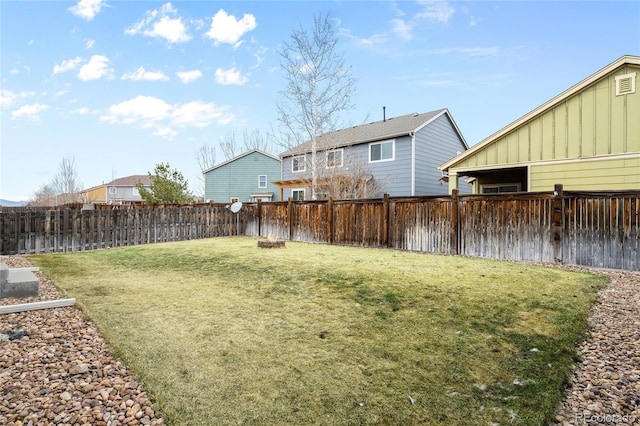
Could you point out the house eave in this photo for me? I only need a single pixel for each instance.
(627, 59)
(237, 157)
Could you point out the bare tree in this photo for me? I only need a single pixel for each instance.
(44, 196)
(229, 145)
(66, 185)
(318, 87)
(254, 139)
(348, 177)
(206, 158)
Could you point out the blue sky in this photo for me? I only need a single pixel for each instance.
(123, 85)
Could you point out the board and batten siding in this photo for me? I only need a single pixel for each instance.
(239, 178)
(593, 122)
(436, 143)
(592, 175)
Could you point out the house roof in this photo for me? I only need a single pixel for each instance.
(378, 130)
(615, 65)
(131, 180)
(237, 157)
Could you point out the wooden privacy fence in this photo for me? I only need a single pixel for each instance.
(579, 228)
(44, 231)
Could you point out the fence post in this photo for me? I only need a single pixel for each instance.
(385, 220)
(557, 223)
(1, 233)
(330, 220)
(290, 217)
(259, 217)
(454, 223)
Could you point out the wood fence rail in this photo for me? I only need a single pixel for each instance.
(579, 228)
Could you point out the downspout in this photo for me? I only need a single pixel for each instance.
(413, 163)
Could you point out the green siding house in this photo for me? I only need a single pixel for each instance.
(247, 178)
(586, 138)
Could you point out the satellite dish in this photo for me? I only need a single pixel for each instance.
(235, 207)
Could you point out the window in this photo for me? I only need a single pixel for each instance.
(382, 151)
(113, 190)
(262, 181)
(500, 188)
(298, 164)
(297, 194)
(234, 200)
(334, 158)
(135, 191)
(626, 84)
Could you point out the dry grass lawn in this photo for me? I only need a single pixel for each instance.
(222, 332)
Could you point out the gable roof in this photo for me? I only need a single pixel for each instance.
(131, 181)
(378, 130)
(237, 157)
(624, 60)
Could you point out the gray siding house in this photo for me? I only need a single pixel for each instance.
(401, 154)
(247, 178)
(118, 191)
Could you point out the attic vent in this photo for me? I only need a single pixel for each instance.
(626, 84)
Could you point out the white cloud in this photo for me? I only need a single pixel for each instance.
(67, 65)
(198, 114)
(152, 112)
(402, 29)
(374, 40)
(7, 97)
(432, 11)
(436, 11)
(259, 55)
(142, 110)
(230, 77)
(171, 29)
(96, 68)
(30, 112)
(158, 23)
(189, 76)
(226, 28)
(82, 111)
(142, 74)
(165, 132)
(87, 9)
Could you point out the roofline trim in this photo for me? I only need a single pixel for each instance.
(237, 157)
(627, 59)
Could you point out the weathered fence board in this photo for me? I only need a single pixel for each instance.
(590, 229)
(602, 230)
(506, 227)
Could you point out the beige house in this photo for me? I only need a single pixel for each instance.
(586, 138)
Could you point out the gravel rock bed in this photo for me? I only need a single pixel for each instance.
(60, 370)
(56, 369)
(605, 386)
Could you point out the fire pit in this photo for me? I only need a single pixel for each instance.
(271, 243)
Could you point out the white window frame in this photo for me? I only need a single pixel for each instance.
(135, 191)
(260, 184)
(234, 200)
(304, 193)
(499, 185)
(113, 190)
(301, 161)
(381, 160)
(333, 151)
